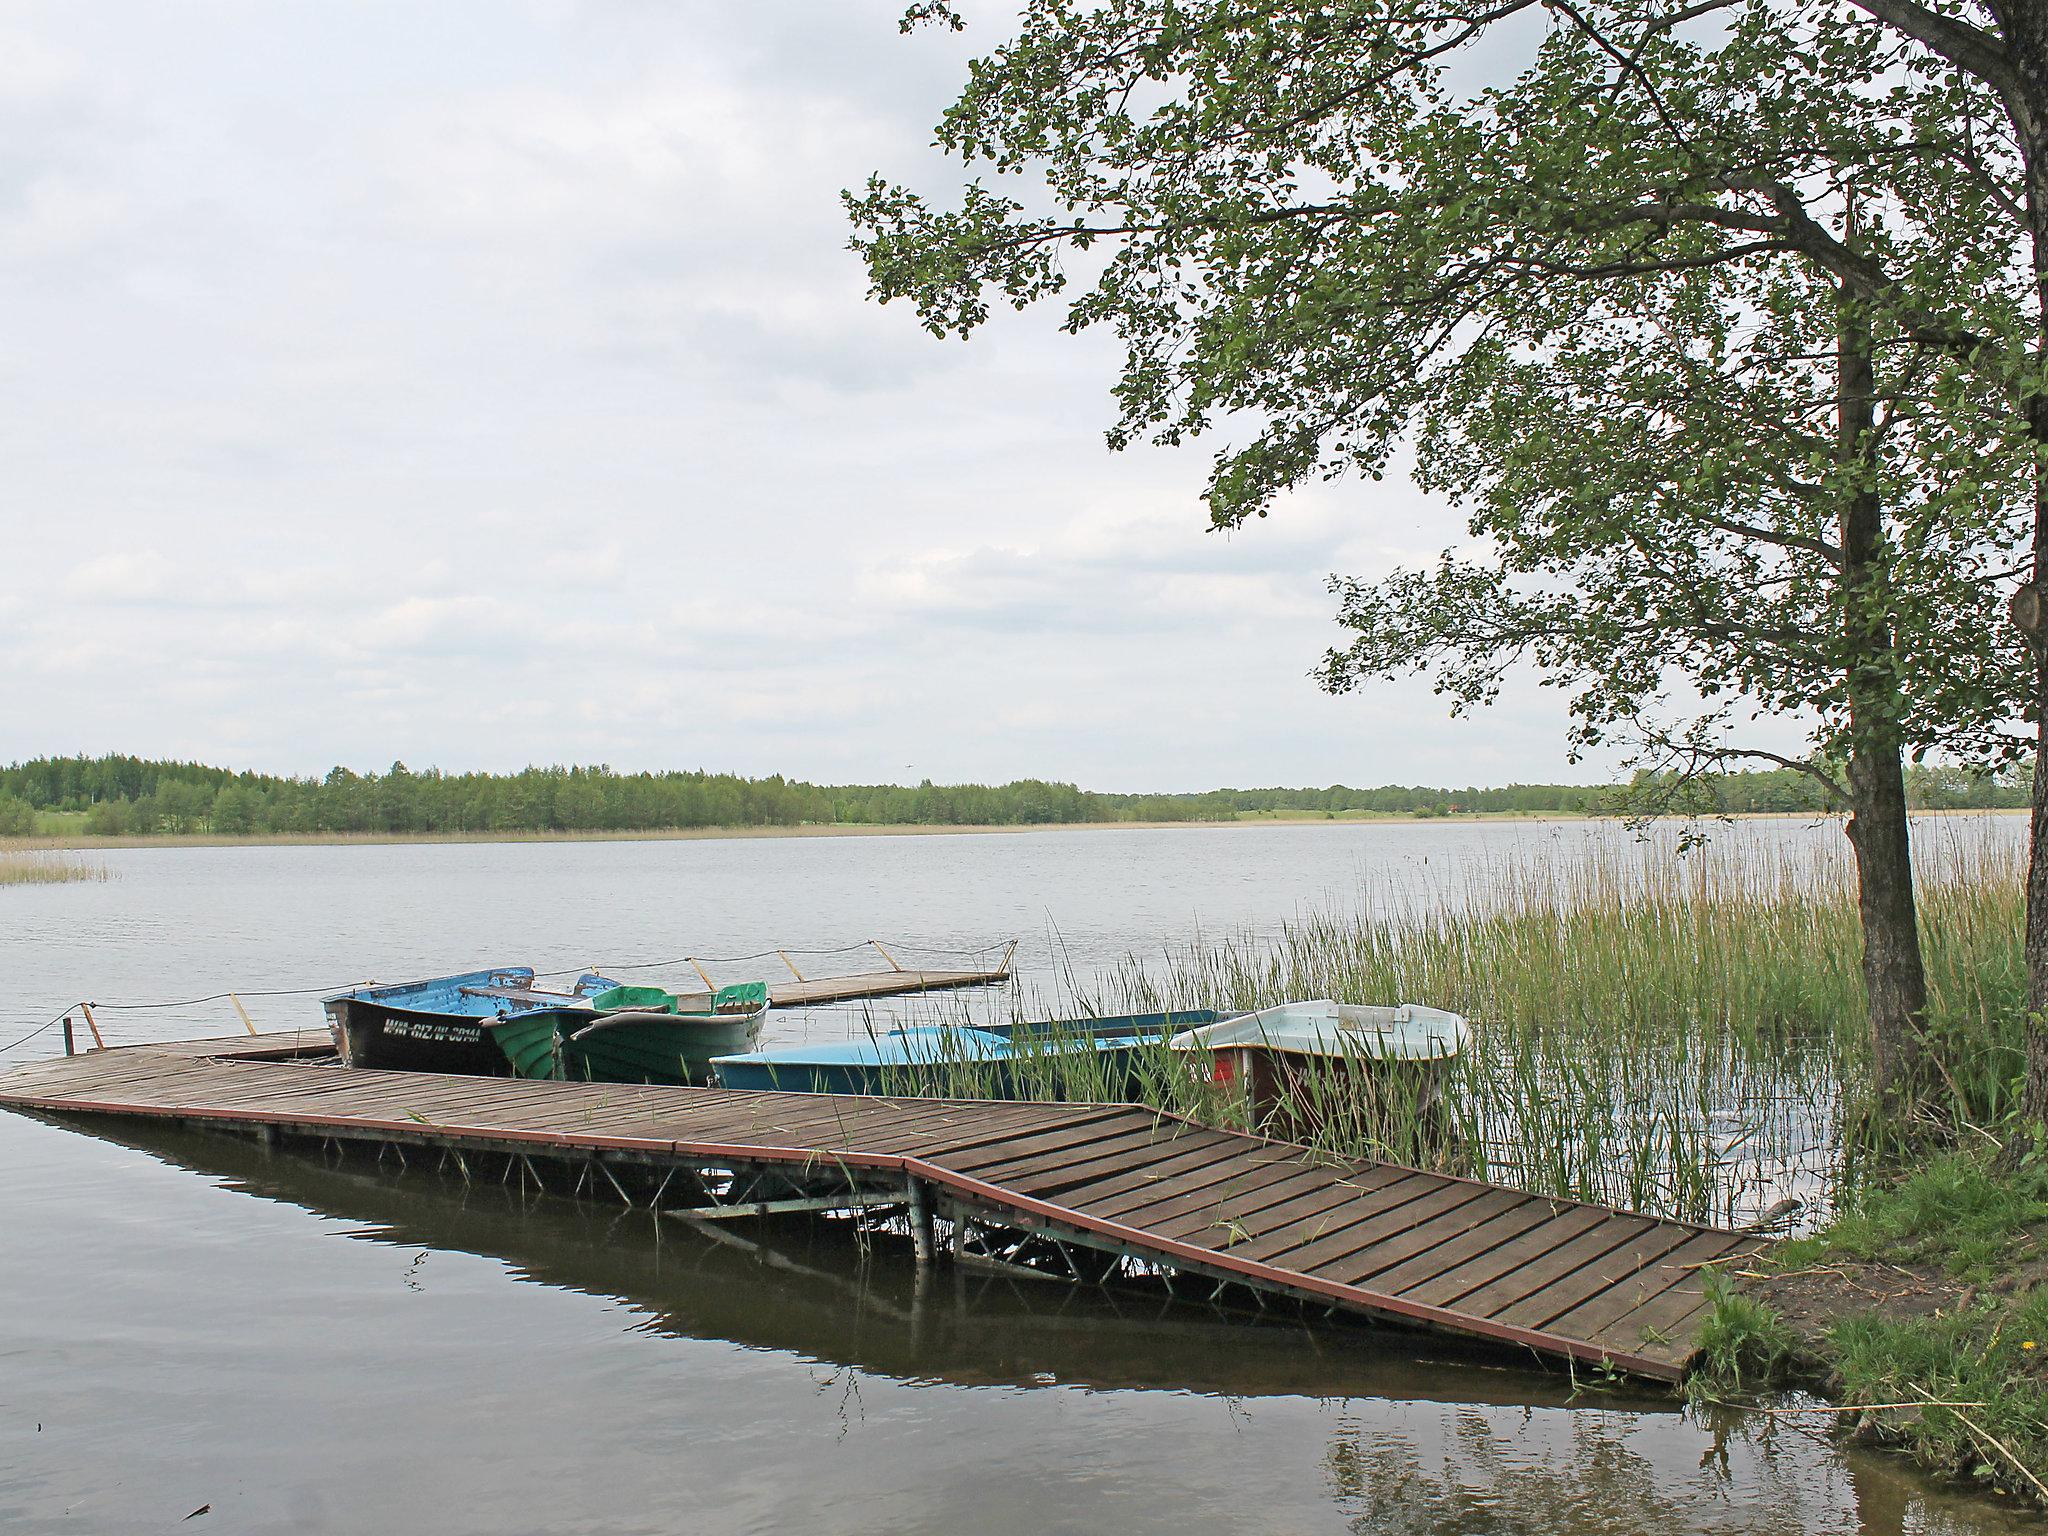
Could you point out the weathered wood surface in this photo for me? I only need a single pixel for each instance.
(1563, 1279)
(866, 984)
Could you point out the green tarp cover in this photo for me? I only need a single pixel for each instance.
(638, 999)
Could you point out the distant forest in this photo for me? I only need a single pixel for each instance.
(131, 796)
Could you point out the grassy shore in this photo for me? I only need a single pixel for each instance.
(65, 830)
(1921, 1310)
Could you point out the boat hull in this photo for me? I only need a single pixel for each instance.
(654, 1047)
(372, 1034)
(1295, 1097)
(1105, 1059)
(527, 1041)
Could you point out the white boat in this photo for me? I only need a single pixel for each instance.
(1407, 1032)
(1297, 1063)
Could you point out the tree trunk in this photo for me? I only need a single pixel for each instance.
(2024, 24)
(1894, 980)
(2033, 1106)
(2034, 1091)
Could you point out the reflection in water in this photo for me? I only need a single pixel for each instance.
(1588, 1478)
(815, 1289)
(916, 1393)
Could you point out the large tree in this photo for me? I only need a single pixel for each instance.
(1718, 315)
(1730, 486)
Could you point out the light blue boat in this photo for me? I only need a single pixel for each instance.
(1100, 1057)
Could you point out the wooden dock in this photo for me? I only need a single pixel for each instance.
(898, 980)
(866, 984)
(1084, 1189)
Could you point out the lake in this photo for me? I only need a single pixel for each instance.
(295, 1344)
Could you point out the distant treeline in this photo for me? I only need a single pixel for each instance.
(135, 796)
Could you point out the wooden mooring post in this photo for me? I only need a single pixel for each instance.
(922, 1242)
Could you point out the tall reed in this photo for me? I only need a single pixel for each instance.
(34, 868)
(1679, 1033)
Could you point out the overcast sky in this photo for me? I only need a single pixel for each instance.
(484, 384)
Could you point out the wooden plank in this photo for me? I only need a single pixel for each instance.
(1629, 1304)
(1482, 1269)
(1589, 1280)
(1147, 1180)
(1072, 1164)
(1070, 1141)
(1097, 1117)
(1261, 1204)
(1421, 1237)
(1562, 1259)
(918, 1127)
(1146, 1173)
(1314, 1215)
(1482, 1235)
(1675, 1343)
(1341, 1241)
(934, 1133)
(1184, 1180)
(1312, 1219)
(869, 984)
(963, 1127)
(1401, 1231)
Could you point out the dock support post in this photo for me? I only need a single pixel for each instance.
(922, 1242)
(70, 1044)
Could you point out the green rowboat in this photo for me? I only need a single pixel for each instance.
(528, 1039)
(633, 1035)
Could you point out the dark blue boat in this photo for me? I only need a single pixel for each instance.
(1105, 1057)
(452, 1023)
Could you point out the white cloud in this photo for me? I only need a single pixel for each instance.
(475, 385)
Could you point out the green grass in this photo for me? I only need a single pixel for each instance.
(1956, 1212)
(1978, 1375)
(1954, 1374)
(1744, 1346)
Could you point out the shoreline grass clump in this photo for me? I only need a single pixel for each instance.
(41, 868)
(1921, 1311)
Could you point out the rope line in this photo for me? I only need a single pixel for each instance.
(194, 1002)
(788, 949)
(24, 1040)
(574, 970)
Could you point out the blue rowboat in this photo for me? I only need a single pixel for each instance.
(1102, 1058)
(485, 1023)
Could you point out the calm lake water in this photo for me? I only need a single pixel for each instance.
(188, 1321)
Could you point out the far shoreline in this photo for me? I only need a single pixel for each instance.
(79, 843)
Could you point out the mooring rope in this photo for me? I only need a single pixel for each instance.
(766, 954)
(24, 1040)
(574, 970)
